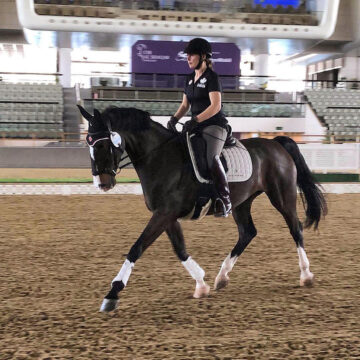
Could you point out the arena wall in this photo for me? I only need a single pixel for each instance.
(308, 125)
(324, 158)
(44, 157)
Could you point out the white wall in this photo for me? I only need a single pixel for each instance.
(354, 21)
(312, 124)
(260, 124)
(332, 157)
(309, 125)
(253, 124)
(351, 67)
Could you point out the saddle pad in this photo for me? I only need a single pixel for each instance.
(238, 162)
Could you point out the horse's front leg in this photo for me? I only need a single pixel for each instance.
(153, 230)
(174, 231)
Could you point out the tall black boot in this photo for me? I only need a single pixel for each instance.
(222, 206)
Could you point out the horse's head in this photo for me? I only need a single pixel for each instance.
(106, 148)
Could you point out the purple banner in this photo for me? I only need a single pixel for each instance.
(167, 57)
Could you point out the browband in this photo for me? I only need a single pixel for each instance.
(92, 139)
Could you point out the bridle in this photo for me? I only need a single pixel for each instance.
(91, 140)
(101, 136)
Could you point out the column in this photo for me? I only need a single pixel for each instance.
(261, 68)
(64, 66)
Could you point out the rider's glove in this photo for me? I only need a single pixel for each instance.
(171, 125)
(190, 125)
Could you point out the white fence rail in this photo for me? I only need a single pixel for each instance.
(124, 189)
(332, 157)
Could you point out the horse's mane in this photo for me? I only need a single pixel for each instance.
(129, 119)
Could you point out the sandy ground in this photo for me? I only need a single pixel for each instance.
(58, 256)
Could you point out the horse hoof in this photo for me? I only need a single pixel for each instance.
(307, 281)
(221, 282)
(109, 305)
(202, 291)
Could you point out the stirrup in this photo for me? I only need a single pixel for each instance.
(222, 212)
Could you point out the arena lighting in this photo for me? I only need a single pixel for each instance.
(305, 57)
(31, 20)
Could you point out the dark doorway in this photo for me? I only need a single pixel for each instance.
(328, 78)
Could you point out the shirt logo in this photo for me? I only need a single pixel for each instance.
(201, 83)
(190, 82)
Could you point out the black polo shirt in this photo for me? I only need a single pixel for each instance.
(197, 94)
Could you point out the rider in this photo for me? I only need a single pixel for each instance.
(203, 93)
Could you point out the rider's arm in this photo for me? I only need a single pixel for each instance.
(213, 108)
(183, 108)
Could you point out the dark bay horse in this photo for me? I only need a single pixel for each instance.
(170, 189)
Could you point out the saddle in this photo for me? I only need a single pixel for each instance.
(235, 159)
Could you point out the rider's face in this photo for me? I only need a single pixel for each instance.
(193, 60)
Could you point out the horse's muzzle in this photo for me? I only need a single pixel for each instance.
(107, 182)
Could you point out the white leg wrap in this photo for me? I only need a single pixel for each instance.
(124, 272)
(196, 272)
(228, 264)
(303, 263)
(96, 181)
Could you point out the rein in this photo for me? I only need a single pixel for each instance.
(156, 148)
(118, 168)
(145, 155)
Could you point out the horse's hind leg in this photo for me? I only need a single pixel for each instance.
(284, 200)
(247, 232)
(176, 237)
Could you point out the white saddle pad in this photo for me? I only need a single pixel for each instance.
(239, 163)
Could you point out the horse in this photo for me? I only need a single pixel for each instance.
(170, 188)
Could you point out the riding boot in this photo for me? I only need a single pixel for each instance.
(222, 206)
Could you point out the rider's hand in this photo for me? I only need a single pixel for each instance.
(171, 125)
(190, 125)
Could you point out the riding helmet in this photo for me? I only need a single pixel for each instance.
(199, 46)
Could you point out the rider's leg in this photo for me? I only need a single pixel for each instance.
(215, 137)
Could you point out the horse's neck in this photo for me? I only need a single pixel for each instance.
(145, 146)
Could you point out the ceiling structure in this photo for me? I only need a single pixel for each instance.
(341, 40)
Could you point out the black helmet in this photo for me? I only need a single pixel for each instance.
(199, 46)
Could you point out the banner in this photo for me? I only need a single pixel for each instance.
(275, 3)
(167, 57)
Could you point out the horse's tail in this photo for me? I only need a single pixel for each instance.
(311, 193)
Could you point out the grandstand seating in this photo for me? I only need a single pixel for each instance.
(28, 110)
(199, 11)
(231, 109)
(338, 108)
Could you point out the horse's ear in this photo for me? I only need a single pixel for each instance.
(97, 114)
(85, 114)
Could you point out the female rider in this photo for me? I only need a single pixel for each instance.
(203, 93)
